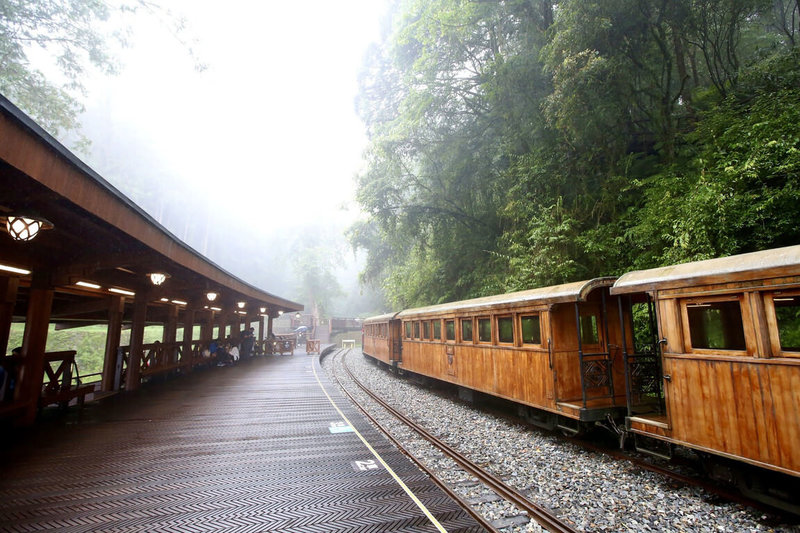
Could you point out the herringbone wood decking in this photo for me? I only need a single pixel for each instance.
(242, 448)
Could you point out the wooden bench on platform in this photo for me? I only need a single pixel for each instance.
(161, 358)
(312, 346)
(57, 384)
(284, 344)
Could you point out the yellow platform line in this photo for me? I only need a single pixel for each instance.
(379, 458)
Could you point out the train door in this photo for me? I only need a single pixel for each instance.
(450, 345)
(642, 354)
(396, 341)
(594, 352)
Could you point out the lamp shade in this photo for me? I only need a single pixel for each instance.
(157, 278)
(25, 228)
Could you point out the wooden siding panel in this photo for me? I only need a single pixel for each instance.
(786, 401)
(745, 409)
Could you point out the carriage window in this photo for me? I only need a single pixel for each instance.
(505, 329)
(426, 330)
(466, 330)
(450, 330)
(416, 330)
(716, 325)
(408, 330)
(531, 330)
(484, 330)
(437, 329)
(589, 331)
(787, 311)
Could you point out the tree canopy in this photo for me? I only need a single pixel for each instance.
(527, 142)
(76, 35)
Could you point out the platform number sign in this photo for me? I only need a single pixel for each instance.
(340, 427)
(362, 466)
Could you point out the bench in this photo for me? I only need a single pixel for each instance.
(312, 346)
(57, 384)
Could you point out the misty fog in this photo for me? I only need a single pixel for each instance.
(251, 160)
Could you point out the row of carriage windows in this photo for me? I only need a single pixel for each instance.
(712, 325)
(475, 329)
(376, 330)
(718, 325)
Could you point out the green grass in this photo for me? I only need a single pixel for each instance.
(89, 342)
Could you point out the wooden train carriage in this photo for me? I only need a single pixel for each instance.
(551, 349)
(728, 357)
(380, 338)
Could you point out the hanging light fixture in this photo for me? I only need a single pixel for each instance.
(280, 313)
(25, 226)
(263, 310)
(297, 315)
(240, 305)
(157, 278)
(211, 295)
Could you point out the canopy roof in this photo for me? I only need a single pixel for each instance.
(765, 264)
(99, 235)
(569, 292)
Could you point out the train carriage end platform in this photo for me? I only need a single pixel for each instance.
(266, 445)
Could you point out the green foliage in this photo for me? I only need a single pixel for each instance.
(314, 263)
(75, 35)
(68, 30)
(738, 186)
(528, 143)
(89, 342)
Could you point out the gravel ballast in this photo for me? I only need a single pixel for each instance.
(592, 491)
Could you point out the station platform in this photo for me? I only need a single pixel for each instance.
(268, 444)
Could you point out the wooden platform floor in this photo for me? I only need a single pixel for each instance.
(253, 447)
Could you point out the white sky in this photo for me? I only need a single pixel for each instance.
(271, 117)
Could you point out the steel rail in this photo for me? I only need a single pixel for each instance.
(478, 517)
(541, 515)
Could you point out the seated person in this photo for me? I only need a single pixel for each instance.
(234, 353)
(223, 356)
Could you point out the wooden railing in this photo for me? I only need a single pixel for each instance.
(281, 344)
(160, 358)
(165, 357)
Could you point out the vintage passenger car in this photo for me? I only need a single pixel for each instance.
(728, 356)
(550, 349)
(380, 337)
(705, 355)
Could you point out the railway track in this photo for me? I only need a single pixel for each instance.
(541, 515)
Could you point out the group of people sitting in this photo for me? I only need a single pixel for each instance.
(230, 351)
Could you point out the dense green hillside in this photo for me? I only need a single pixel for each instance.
(528, 142)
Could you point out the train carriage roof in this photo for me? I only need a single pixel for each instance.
(569, 292)
(380, 318)
(755, 265)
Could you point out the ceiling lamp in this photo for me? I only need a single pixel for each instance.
(263, 309)
(25, 227)
(240, 305)
(280, 313)
(297, 315)
(211, 295)
(15, 270)
(157, 278)
(124, 292)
